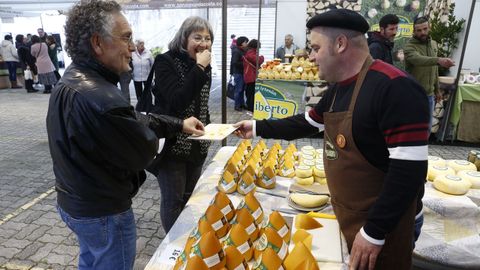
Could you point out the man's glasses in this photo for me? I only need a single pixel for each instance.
(127, 39)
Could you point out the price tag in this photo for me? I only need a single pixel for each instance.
(170, 254)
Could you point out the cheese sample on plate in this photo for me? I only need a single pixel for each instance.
(461, 165)
(452, 184)
(306, 222)
(434, 171)
(472, 176)
(309, 200)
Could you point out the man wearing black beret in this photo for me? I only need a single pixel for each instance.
(375, 123)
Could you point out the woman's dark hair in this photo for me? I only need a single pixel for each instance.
(241, 40)
(19, 38)
(253, 43)
(35, 39)
(8, 37)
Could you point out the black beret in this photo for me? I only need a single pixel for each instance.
(340, 18)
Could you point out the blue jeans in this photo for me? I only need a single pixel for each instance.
(239, 90)
(417, 229)
(177, 180)
(431, 105)
(12, 70)
(107, 242)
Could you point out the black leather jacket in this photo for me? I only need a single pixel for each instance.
(99, 145)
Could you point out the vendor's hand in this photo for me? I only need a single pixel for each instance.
(446, 62)
(364, 254)
(194, 126)
(204, 58)
(244, 130)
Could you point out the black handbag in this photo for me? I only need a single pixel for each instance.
(145, 104)
(231, 89)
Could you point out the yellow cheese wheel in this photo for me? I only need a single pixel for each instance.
(319, 171)
(304, 181)
(461, 165)
(319, 153)
(434, 160)
(303, 171)
(308, 162)
(452, 184)
(472, 176)
(434, 171)
(307, 148)
(320, 180)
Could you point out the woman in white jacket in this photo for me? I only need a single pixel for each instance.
(142, 61)
(10, 56)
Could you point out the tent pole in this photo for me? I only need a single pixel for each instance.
(224, 65)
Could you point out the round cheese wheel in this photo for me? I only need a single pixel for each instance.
(309, 163)
(461, 165)
(451, 184)
(304, 181)
(319, 171)
(303, 171)
(434, 160)
(434, 171)
(307, 148)
(472, 176)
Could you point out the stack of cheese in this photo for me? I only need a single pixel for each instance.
(454, 177)
(311, 168)
(299, 69)
(227, 238)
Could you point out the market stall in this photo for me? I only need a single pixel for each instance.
(450, 236)
(466, 112)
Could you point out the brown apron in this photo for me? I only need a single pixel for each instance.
(355, 185)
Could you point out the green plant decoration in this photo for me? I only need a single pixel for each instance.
(444, 29)
(156, 51)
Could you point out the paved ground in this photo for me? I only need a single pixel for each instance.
(32, 236)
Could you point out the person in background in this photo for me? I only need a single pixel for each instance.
(125, 79)
(45, 67)
(142, 61)
(26, 61)
(42, 35)
(375, 122)
(250, 66)
(10, 56)
(29, 40)
(422, 62)
(182, 88)
(288, 48)
(233, 44)
(380, 43)
(99, 145)
(52, 53)
(236, 69)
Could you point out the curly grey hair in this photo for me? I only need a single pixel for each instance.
(191, 24)
(86, 19)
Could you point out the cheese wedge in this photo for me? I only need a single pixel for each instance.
(239, 238)
(267, 260)
(461, 165)
(277, 222)
(309, 200)
(303, 236)
(210, 250)
(245, 219)
(223, 203)
(306, 222)
(246, 184)
(235, 260)
(300, 258)
(270, 239)
(304, 181)
(254, 207)
(196, 263)
(452, 184)
(218, 221)
(435, 171)
(202, 228)
(227, 183)
(472, 176)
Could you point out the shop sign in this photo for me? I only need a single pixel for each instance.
(178, 4)
(271, 103)
(405, 27)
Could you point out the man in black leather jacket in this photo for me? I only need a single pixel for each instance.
(98, 143)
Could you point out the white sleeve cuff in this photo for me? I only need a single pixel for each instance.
(312, 122)
(161, 144)
(372, 240)
(254, 128)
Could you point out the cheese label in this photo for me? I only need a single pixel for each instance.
(462, 162)
(330, 150)
(227, 209)
(473, 173)
(240, 267)
(262, 242)
(258, 265)
(217, 225)
(212, 260)
(441, 168)
(246, 189)
(267, 181)
(282, 253)
(195, 233)
(283, 231)
(250, 229)
(227, 186)
(243, 247)
(257, 213)
(286, 171)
